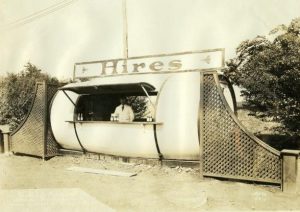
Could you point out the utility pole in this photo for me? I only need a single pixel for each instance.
(125, 30)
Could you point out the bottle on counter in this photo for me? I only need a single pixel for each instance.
(79, 117)
(112, 117)
(149, 119)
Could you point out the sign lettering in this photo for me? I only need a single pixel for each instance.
(189, 61)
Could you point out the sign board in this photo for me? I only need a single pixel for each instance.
(164, 63)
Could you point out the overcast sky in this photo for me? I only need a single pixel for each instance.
(88, 30)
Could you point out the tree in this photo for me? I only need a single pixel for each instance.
(139, 105)
(268, 70)
(18, 93)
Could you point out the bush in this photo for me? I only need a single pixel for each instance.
(269, 73)
(18, 92)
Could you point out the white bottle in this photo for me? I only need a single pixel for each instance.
(112, 117)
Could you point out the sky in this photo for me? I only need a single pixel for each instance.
(87, 30)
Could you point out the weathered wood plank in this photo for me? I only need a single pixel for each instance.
(101, 171)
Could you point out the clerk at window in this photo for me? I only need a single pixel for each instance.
(124, 111)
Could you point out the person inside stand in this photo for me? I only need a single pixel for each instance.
(124, 111)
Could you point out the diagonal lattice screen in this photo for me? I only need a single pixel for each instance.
(228, 150)
(52, 146)
(29, 137)
(34, 135)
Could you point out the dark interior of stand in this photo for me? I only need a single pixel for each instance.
(97, 103)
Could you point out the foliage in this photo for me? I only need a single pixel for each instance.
(269, 71)
(139, 105)
(17, 93)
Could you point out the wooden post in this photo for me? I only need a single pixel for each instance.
(1, 142)
(290, 171)
(201, 125)
(6, 138)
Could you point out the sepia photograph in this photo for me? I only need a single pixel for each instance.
(149, 105)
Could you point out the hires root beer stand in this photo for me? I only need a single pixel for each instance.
(184, 111)
(170, 88)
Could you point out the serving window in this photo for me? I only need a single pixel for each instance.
(98, 103)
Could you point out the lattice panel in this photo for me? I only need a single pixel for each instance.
(29, 139)
(52, 146)
(34, 136)
(228, 151)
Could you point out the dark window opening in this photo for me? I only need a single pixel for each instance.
(100, 107)
(98, 104)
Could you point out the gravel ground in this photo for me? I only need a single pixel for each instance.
(154, 188)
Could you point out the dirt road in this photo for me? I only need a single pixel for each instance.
(154, 188)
